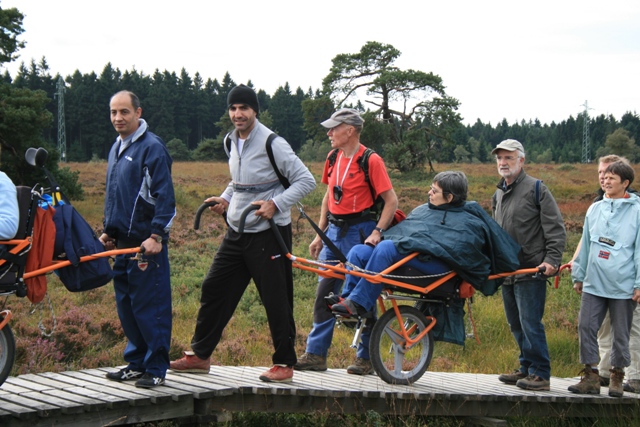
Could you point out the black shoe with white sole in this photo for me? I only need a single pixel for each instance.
(149, 380)
(124, 374)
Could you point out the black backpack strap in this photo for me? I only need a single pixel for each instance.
(283, 180)
(227, 145)
(333, 156)
(538, 192)
(363, 161)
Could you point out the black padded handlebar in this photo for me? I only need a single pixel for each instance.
(272, 223)
(196, 222)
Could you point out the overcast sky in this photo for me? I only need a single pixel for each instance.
(501, 59)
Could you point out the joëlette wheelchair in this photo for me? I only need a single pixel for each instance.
(401, 342)
(14, 253)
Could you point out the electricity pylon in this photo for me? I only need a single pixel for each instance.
(62, 135)
(586, 146)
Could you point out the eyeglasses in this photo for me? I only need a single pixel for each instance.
(434, 190)
(337, 194)
(507, 158)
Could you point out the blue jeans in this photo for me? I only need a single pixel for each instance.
(377, 259)
(319, 339)
(524, 307)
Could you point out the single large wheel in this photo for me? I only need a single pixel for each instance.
(393, 360)
(7, 352)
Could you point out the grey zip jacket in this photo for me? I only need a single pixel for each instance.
(253, 179)
(538, 229)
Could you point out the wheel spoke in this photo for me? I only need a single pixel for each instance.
(392, 359)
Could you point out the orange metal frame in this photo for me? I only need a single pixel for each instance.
(339, 271)
(22, 244)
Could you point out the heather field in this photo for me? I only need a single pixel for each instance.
(87, 332)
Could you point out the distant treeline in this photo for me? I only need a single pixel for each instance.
(186, 111)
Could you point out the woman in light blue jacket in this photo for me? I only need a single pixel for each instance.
(607, 274)
(9, 213)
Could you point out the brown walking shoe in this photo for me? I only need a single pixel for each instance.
(513, 377)
(191, 363)
(360, 367)
(589, 383)
(278, 374)
(615, 386)
(311, 362)
(535, 383)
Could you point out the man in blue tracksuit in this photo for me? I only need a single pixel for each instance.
(138, 212)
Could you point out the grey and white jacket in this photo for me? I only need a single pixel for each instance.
(253, 179)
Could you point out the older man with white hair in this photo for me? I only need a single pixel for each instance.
(525, 208)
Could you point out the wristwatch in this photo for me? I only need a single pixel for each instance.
(379, 229)
(157, 238)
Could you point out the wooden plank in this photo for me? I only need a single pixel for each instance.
(107, 392)
(198, 385)
(19, 405)
(64, 396)
(15, 389)
(87, 398)
(23, 382)
(101, 399)
(17, 411)
(134, 398)
(251, 376)
(241, 383)
(133, 415)
(158, 394)
(58, 399)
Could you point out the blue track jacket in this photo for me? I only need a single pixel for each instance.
(139, 197)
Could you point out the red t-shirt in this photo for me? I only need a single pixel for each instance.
(356, 194)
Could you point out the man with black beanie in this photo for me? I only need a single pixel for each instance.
(255, 254)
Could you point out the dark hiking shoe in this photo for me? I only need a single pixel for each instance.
(535, 383)
(360, 367)
(332, 299)
(513, 377)
(149, 380)
(311, 362)
(589, 382)
(348, 308)
(604, 381)
(124, 374)
(632, 386)
(615, 385)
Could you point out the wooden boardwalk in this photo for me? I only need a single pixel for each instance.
(87, 398)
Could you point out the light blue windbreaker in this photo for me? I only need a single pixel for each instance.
(9, 212)
(609, 265)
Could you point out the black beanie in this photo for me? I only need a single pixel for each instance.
(242, 94)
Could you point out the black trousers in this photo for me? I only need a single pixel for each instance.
(240, 258)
